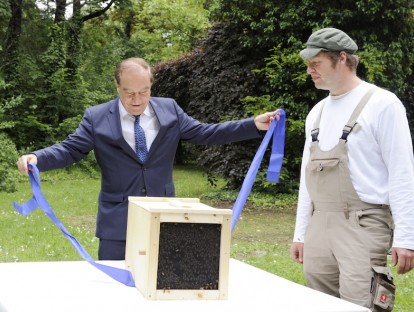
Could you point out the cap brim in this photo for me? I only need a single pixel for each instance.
(309, 53)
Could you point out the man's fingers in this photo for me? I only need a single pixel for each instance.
(403, 259)
(23, 161)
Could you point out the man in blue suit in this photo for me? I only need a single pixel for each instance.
(108, 129)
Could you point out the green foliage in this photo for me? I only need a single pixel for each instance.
(52, 54)
(294, 137)
(236, 84)
(40, 114)
(4, 17)
(53, 58)
(52, 94)
(64, 67)
(104, 46)
(285, 26)
(88, 164)
(280, 29)
(248, 63)
(8, 170)
(408, 100)
(222, 74)
(264, 41)
(285, 70)
(165, 29)
(9, 176)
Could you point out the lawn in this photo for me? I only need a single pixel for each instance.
(261, 238)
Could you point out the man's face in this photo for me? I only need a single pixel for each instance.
(324, 73)
(134, 89)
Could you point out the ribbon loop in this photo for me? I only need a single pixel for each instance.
(278, 146)
(39, 200)
(277, 130)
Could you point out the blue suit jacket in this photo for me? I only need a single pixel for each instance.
(122, 173)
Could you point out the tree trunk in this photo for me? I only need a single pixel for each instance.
(74, 30)
(11, 51)
(60, 11)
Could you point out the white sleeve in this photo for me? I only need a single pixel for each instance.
(304, 201)
(397, 151)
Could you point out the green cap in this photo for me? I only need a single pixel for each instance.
(328, 39)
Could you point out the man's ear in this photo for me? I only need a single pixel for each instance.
(343, 57)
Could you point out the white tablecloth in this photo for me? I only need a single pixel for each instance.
(78, 286)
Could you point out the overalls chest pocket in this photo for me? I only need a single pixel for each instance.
(320, 165)
(323, 179)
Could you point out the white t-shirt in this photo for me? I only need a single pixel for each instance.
(380, 156)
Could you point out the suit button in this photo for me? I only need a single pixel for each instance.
(143, 190)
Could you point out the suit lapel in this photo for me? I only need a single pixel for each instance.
(114, 121)
(161, 116)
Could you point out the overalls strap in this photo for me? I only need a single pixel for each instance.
(352, 123)
(352, 120)
(315, 131)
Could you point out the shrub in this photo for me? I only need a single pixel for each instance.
(8, 170)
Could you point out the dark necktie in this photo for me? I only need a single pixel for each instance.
(140, 142)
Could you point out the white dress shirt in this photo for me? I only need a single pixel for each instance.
(380, 156)
(148, 121)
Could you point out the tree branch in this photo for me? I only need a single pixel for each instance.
(97, 13)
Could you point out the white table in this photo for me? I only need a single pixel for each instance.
(78, 286)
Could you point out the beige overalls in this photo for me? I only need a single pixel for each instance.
(345, 235)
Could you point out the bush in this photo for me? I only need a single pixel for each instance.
(8, 171)
(210, 84)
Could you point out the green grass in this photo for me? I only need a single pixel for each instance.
(261, 238)
(35, 237)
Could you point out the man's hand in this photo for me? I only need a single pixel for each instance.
(263, 121)
(404, 258)
(296, 252)
(24, 161)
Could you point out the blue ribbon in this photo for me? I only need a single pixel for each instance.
(277, 130)
(39, 200)
(278, 146)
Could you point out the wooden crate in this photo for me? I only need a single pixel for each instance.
(178, 248)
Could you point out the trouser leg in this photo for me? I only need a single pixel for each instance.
(320, 267)
(111, 249)
(370, 233)
(350, 246)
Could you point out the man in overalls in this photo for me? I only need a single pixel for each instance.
(356, 195)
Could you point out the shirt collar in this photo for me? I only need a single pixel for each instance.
(149, 112)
